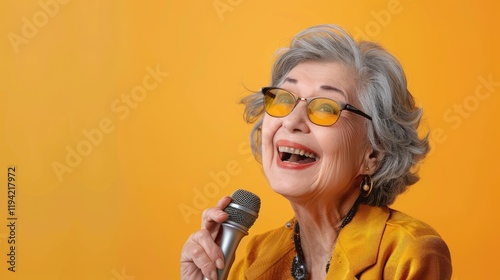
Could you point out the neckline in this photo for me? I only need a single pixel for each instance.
(299, 268)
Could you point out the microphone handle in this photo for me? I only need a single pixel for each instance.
(231, 237)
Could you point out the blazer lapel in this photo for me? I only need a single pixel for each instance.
(358, 243)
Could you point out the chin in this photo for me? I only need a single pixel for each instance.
(290, 188)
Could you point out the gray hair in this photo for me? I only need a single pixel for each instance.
(382, 92)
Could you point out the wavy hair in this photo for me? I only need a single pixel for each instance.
(381, 88)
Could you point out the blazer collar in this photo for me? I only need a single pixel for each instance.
(355, 250)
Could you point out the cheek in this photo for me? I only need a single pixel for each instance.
(344, 151)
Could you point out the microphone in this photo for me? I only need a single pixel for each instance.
(243, 211)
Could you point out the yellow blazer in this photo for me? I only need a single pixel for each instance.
(379, 243)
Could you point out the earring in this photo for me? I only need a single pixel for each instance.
(366, 185)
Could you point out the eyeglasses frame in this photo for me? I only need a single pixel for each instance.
(343, 106)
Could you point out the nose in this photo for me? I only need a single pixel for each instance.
(297, 120)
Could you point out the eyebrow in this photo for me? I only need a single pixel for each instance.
(323, 87)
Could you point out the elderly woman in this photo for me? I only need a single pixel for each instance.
(339, 140)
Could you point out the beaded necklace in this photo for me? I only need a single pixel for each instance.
(299, 269)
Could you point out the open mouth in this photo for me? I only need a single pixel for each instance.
(296, 156)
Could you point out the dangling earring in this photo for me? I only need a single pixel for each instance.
(366, 185)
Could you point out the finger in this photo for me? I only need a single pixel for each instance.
(223, 202)
(195, 263)
(212, 249)
(201, 254)
(204, 253)
(213, 217)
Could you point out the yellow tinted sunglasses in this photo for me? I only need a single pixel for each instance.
(320, 111)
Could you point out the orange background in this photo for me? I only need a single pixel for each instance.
(115, 164)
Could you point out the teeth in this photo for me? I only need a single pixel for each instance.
(289, 150)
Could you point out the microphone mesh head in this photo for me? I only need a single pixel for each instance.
(249, 210)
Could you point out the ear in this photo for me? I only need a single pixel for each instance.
(371, 161)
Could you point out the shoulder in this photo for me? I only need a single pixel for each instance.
(413, 247)
(385, 222)
(389, 232)
(381, 241)
(408, 226)
(405, 234)
(408, 235)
